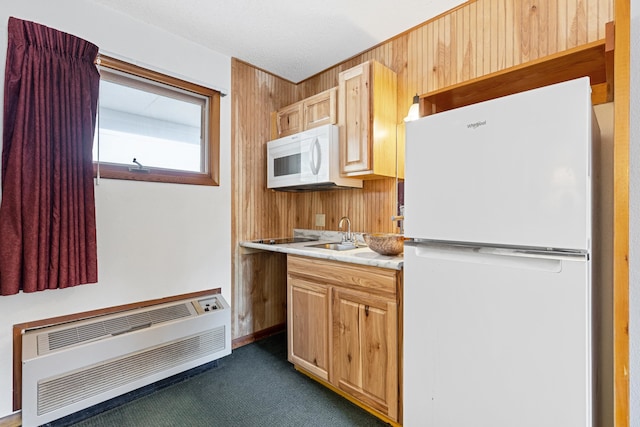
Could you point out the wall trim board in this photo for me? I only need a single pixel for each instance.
(257, 336)
(621, 213)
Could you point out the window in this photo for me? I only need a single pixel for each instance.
(153, 127)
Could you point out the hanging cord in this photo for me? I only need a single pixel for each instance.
(97, 129)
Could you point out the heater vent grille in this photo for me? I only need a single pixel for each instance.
(58, 392)
(74, 335)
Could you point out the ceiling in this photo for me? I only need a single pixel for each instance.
(293, 39)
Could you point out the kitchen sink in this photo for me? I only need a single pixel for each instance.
(335, 246)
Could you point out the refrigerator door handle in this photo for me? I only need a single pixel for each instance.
(550, 261)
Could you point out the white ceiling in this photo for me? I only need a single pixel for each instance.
(293, 39)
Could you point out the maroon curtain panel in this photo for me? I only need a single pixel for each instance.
(47, 212)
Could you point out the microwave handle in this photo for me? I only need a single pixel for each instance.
(315, 163)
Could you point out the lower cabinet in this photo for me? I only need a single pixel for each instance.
(308, 314)
(365, 346)
(343, 323)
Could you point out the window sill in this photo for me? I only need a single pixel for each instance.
(113, 171)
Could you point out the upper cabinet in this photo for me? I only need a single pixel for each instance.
(288, 120)
(317, 110)
(367, 106)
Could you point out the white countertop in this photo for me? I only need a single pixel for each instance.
(360, 255)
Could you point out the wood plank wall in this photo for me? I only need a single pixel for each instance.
(477, 38)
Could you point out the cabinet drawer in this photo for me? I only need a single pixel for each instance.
(376, 280)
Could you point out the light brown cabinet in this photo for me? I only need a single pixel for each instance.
(367, 105)
(366, 348)
(309, 320)
(350, 313)
(288, 120)
(311, 112)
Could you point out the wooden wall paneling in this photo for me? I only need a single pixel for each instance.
(530, 13)
(548, 28)
(582, 21)
(471, 23)
(399, 64)
(571, 23)
(419, 67)
(478, 38)
(498, 35)
(485, 29)
(414, 74)
(576, 21)
(521, 44)
(605, 14)
(257, 298)
(463, 45)
(438, 54)
(266, 271)
(427, 66)
(562, 32)
(552, 25)
(544, 28)
(411, 73)
(593, 19)
(448, 64)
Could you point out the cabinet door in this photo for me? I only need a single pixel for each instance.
(320, 109)
(355, 115)
(366, 349)
(289, 120)
(308, 326)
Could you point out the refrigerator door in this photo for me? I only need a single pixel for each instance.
(510, 171)
(492, 340)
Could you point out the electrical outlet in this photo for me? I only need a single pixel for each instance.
(319, 220)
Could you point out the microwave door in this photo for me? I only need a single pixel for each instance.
(284, 162)
(295, 160)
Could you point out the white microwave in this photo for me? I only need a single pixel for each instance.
(307, 161)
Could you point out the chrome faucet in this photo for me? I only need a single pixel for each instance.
(346, 237)
(400, 219)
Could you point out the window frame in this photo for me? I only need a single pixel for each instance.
(211, 176)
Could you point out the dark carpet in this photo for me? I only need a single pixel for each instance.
(254, 386)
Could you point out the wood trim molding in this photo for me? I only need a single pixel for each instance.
(256, 336)
(13, 420)
(19, 328)
(621, 214)
(349, 397)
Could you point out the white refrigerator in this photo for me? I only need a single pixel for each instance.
(498, 270)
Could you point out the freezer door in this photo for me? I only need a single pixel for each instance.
(496, 341)
(510, 171)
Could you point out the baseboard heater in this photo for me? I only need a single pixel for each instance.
(72, 366)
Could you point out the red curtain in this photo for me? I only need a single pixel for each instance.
(47, 212)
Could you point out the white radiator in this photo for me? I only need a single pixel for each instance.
(69, 367)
